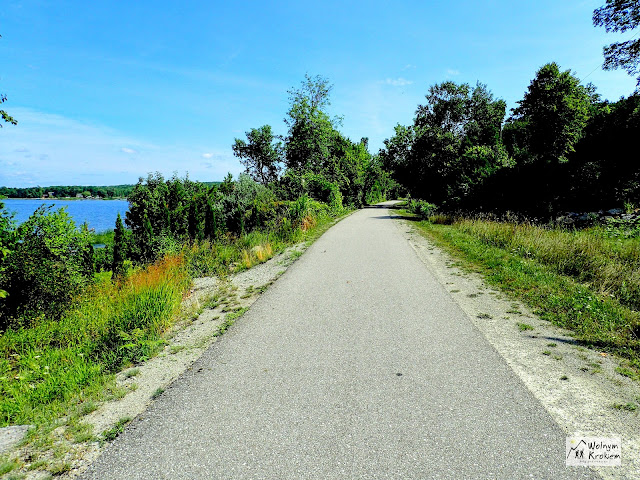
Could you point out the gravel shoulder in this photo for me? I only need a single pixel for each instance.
(579, 387)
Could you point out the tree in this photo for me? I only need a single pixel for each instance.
(310, 127)
(3, 114)
(553, 114)
(48, 262)
(453, 145)
(620, 16)
(119, 250)
(261, 156)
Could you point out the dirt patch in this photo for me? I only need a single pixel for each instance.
(578, 386)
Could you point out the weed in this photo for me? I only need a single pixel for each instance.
(524, 326)
(157, 393)
(626, 372)
(484, 315)
(132, 373)
(556, 356)
(176, 349)
(112, 433)
(564, 377)
(60, 468)
(546, 352)
(8, 466)
(455, 291)
(514, 311)
(551, 344)
(628, 407)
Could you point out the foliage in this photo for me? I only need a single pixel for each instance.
(6, 233)
(541, 271)
(3, 114)
(119, 250)
(553, 115)
(422, 208)
(620, 16)
(603, 172)
(452, 146)
(261, 156)
(49, 261)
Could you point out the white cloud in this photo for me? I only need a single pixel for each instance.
(452, 72)
(50, 149)
(409, 66)
(398, 82)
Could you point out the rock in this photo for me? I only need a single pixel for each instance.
(615, 211)
(12, 436)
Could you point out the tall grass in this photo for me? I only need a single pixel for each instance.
(577, 280)
(610, 267)
(43, 368)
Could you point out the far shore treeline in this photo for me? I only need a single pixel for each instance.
(72, 191)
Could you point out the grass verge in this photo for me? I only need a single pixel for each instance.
(54, 373)
(576, 280)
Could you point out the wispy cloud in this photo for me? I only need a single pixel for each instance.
(452, 72)
(51, 149)
(409, 66)
(398, 82)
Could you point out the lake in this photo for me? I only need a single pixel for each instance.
(99, 214)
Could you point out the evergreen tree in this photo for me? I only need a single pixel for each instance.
(119, 250)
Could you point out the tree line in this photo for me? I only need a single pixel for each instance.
(561, 148)
(60, 191)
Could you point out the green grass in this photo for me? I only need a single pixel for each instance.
(580, 281)
(47, 369)
(524, 327)
(159, 391)
(105, 237)
(113, 432)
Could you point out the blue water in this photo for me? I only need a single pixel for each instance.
(99, 214)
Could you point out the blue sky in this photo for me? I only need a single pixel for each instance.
(107, 91)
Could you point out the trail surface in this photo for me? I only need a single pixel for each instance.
(355, 364)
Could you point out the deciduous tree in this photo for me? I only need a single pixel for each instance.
(621, 16)
(261, 154)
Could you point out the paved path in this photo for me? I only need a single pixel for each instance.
(355, 364)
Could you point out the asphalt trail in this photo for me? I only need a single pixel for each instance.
(355, 364)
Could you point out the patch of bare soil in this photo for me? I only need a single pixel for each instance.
(578, 386)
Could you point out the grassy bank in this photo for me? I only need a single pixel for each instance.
(56, 368)
(579, 280)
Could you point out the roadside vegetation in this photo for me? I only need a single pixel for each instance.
(71, 315)
(583, 281)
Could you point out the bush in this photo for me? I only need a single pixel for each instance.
(46, 268)
(422, 208)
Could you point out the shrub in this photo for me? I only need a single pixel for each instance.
(422, 208)
(46, 268)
